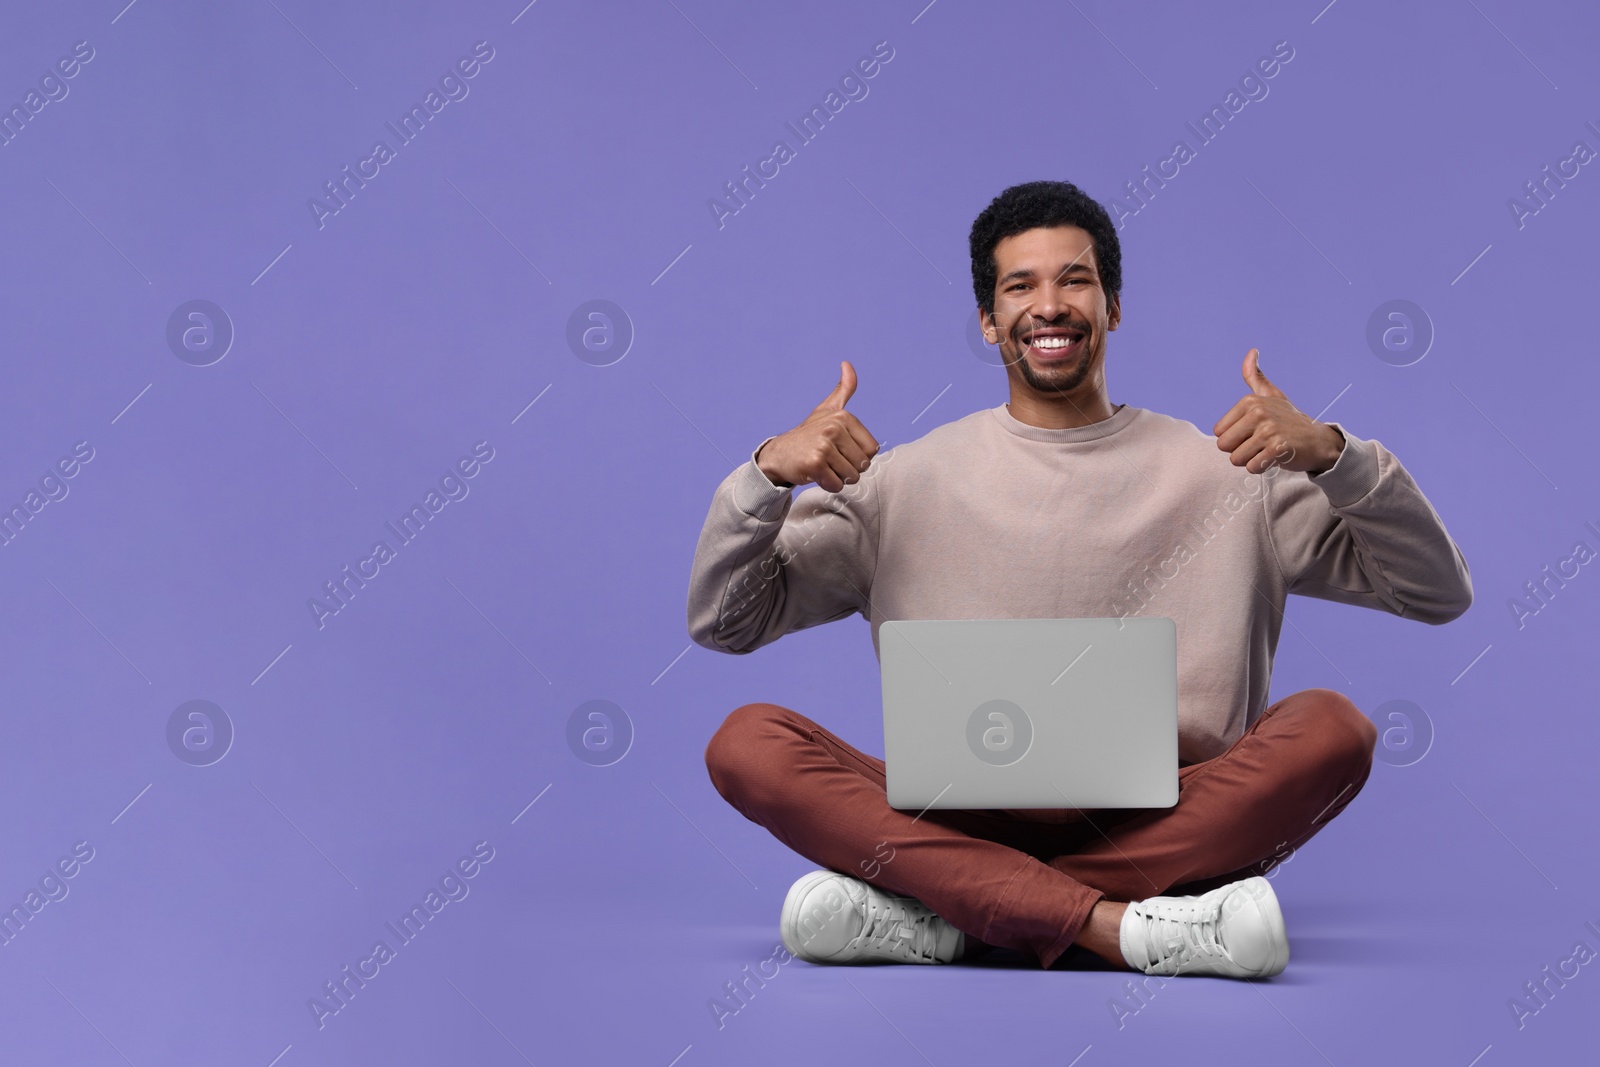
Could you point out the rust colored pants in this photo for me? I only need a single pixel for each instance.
(1026, 880)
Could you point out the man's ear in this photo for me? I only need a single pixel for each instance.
(1114, 312)
(986, 324)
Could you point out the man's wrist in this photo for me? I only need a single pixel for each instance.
(764, 472)
(1335, 449)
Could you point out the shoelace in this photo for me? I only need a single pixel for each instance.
(890, 926)
(1177, 941)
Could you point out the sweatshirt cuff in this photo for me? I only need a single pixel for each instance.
(754, 493)
(1353, 475)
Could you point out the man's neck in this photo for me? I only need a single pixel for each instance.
(1064, 412)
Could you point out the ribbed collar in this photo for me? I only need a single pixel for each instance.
(1119, 420)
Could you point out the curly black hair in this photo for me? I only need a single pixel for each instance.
(1032, 205)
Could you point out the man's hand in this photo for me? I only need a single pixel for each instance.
(830, 448)
(1264, 430)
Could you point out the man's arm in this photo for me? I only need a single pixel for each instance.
(1362, 533)
(769, 563)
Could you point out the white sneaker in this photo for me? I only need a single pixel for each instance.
(830, 917)
(1235, 931)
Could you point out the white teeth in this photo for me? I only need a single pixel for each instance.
(1052, 342)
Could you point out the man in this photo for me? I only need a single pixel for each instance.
(1060, 504)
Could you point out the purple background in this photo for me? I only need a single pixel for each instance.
(431, 311)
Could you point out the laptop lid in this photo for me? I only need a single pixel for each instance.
(1030, 713)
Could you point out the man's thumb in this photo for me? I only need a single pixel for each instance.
(842, 392)
(1259, 385)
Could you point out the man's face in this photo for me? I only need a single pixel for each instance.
(1048, 295)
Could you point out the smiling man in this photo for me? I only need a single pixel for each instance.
(1061, 504)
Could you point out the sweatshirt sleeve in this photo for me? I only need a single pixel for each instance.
(768, 564)
(1362, 533)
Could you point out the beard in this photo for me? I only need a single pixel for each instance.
(1056, 379)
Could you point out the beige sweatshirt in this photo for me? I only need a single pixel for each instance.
(987, 517)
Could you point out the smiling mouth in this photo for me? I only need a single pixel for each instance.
(1052, 346)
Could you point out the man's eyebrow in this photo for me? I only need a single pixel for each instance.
(1076, 267)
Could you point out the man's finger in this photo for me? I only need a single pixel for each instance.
(863, 438)
(1253, 377)
(836, 400)
(1237, 432)
(1234, 414)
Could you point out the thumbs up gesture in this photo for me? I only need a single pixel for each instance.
(830, 447)
(1265, 430)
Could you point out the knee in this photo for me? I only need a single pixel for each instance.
(733, 750)
(1345, 736)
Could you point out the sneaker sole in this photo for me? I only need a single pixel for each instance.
(789, 925)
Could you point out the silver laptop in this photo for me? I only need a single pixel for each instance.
(1030, 713)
